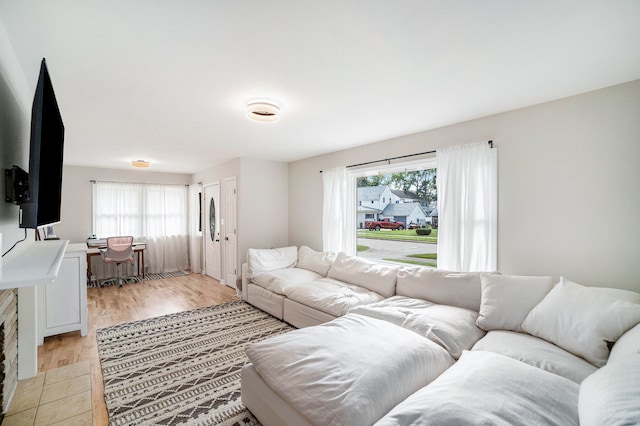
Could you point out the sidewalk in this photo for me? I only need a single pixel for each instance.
(381, 249)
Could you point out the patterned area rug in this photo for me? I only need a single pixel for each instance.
(182, 368)
(149, 277)
(96, 283)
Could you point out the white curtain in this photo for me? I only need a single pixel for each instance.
(195, 233)
(155, 213)
(338, 215)
(166, 227)
(117, 209)
(467, 182)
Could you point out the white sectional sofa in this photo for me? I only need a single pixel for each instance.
(390, 345)
(304, 287)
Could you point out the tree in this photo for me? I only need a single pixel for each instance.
(420, 182)
(377, 180)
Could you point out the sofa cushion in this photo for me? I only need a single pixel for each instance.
(374, 276)
(263, 260)
(627, 345)
(439, 286)
(507, 299)
(451, 327)
(266, 300)
(537, 353)
(331, 296)
(611, 396)
(582, 320)
(339, 373)
(277, 281)
(618, 293)
(485, 388)
(316, 261)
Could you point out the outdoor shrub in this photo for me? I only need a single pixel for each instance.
(423, 231)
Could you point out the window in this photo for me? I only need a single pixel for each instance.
(410, 236)
(117, 209)
(467, 176)
(156, 213)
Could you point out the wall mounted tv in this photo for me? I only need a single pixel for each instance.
(45, 157)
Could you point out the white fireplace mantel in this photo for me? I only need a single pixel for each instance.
(27, 265)
(32, 264)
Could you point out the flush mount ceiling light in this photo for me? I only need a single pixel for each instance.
(141, 164)
(263, 111)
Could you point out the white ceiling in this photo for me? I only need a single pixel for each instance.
(168, 81)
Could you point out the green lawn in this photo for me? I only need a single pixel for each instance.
(413, 262)
(404, 235)
(424, 256)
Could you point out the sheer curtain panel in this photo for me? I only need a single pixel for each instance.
(338, 213)
(467, 182)
(166, 227)
(117, 209)
(155, 213)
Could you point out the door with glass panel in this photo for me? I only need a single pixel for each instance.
(211, 232)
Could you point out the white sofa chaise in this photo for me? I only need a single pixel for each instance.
(442, 348)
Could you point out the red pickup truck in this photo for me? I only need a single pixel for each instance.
(383, 224)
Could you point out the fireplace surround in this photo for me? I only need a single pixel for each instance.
(8, 345)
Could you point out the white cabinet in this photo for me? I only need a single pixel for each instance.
(63, 303)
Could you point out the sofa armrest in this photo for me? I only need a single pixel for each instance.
(245, 281)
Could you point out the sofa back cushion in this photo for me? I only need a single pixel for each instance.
(618, 293)
(316, 261)
(461, 289)
(264, 260)
(377, 277)
(582, 320)
(507, 300)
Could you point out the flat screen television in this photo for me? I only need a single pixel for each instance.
(45, 157)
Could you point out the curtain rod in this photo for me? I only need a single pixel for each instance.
(388, 160)
(136, 183)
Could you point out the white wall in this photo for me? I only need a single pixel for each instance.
(15, 119)
(263, 205)
(569, 174)
(218, 172)
(262, 201)
(75, 214)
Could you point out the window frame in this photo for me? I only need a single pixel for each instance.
(352, 181)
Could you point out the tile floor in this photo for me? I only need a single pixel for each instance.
(61, 396)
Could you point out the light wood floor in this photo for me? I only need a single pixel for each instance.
(113, 305)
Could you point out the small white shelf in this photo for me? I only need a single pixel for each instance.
(32, 264)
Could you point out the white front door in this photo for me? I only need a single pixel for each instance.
(211, 231)
(230, 233)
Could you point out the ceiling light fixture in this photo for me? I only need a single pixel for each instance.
(263, 111)
(141, 164)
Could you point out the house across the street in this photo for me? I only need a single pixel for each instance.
(382, 202)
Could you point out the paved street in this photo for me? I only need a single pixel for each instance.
(380, 249)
